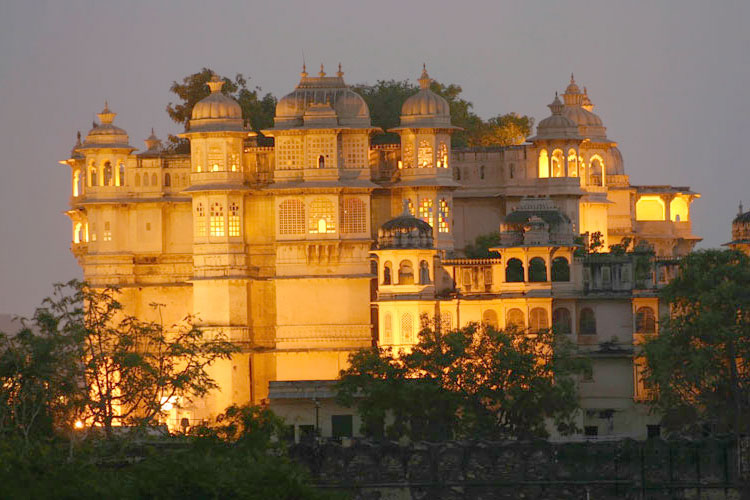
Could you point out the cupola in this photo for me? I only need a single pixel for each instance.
(104, 134)
(405, 231)
(217, 112)
(425, 108)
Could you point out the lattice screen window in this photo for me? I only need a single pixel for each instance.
(216, 219)
(444, 213)
(353, 216)
(425, 153)
(407, 329)
(107, 234)
(216, 159)
(198, 159)
(291, 217)
(200, 220)
(425, 211)
(234, 219)
(408, 154)
(234, 162)
(289, 153)
(320, 145)
(355, 151)
(443, 155)
(388, 329)
(322, 217)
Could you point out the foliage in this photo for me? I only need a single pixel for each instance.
(480, 249)
(699, 361)
(385, 99)
(257, 111)
(475, 382)
(622, 247)
(504, 130)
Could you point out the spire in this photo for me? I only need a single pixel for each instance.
(340, 73)
(215, 83)
(424, 80)
(304, 70)
(586, 102)
(322, 72)
(740, 213)
(406, 210)
(556, 106)
(153, 143)
(106, 116)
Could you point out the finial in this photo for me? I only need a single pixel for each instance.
(78, 136)
(106, 116)
(424, 80)
(340, 73)
(106, 106)
(740, 209)
(406, 208)
(572, 79)
(215, 83)
(304, 70)
(152, 131)
(322, 72)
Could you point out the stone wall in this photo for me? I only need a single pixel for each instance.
(531, 470)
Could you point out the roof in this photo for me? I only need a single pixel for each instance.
(551, 217)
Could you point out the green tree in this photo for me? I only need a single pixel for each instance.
(504, 130)
(471, 382)
(699, 360)
(480, 249)
(385, 99)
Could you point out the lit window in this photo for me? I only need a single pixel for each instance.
(444, 213)
(215, 159)
(650, 207)
(425, 153)
(107, 234)
(410, 205)
(77, 232)
(407, 329)
(387, 329)
(543, 164)
(322, 217)
(107, 174)
(234, 219)
(216, 219)
(558, 164)
(77, 183)
(234, 162)
(425, 211)
(200, 220)
(408, 154)
(92, 174)
(538, 319)
(443, 155)
(572, 163)
(121, 173)
(353, 216)
(291, 217)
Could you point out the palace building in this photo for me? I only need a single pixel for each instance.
(323, 244)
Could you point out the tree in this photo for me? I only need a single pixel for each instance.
(480, 249)
(256, 110)
(699, 360)
(385, 99)
(475, 381)
(504, 130)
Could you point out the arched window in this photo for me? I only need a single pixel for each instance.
(537, 270)
(458, 173)
(234, 219)
(514, 318)
(321, 161)
(322, 217)
(446, 321)
(595, 171)
(145, 179)
(387, 329)
(167, 180)
(444, 212)
(538, 320)
(137, 180)
(291, 217)
(645, 320)
(425, 211)
(512, 170)
(77, 183)
(405, 273)
(514, 271)
(572, 163)
(407, 329)
(387, 273)
(107, 174)
(154, 180)
(353, 216)
(558, 164)
(587, 322)
(678, 209)
(425, 153)
(543, 164)
(92, 174)
(443, 154)
(650, 207)
(481, 172)
(561, 321)
(489, 318)
(560, 269)
(424, 273)
(121, 171)
(216, 219)
(77, 232)
(200, 219)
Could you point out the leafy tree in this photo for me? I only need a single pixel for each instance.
(480, 249)
(504, 130)
(699, 360)
(471, 382)
(385, 99)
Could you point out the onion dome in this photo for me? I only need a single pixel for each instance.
(586, 102)
(74, 153)
(557, 126)
(741, 228)
(425, 108)
(405, 231)
(217, 112)
(578, 108)
(350, 109)
(572, 87)
(616, 165)
(153, 143)
(104, 134)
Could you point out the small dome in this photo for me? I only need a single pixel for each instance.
(217, 104)
(105, 134)
(583, 117)
(350, 106)
(556, 126)
(405, 231)
(425, 108)
(572, 87)
(616, 165)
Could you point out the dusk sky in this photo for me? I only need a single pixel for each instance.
(671, 81)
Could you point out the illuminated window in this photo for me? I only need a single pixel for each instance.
(234, 162)
(200, 220)
(561, 320)
(514, 318)
(289, 152)
(425, 211)
(650, 208)
(77, 183)
(121, 171)
(408, 153)
(387, 273)
(678, 209)
(197, 158)
(318, 145)
(425, 153)
(543, 164)
(167, 180)
(92, 174)
(355, 151)
(77, 232)
(410, 205)
(645, 320)
(107, 234)
(291, 217)
(587, 322)
(443, 155)
(489, 318)
(558, 164)
(596, 166)
(234, 219)
(107, 174)
(444, 212)
(405, 273)
(353, 216)
(572, 163)
(322, 217)
(407, 329)
(387, 329)
(538, 319)
(215, 160)
(216, 219)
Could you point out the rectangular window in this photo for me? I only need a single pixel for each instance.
(653, 431)
(341, 426)
(591, 430)
(217, 225)
(107, 235)
(200, 226)
(234, 225)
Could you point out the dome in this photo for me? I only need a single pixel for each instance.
(217, 112)
(105, 134)
(572, 87)
(556, 126)
(405, 231)
(351, 106)
(582, 117)
(425, 108)
(616, 165)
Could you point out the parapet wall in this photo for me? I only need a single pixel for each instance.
(531, 470)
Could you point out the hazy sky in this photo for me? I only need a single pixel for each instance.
(671, 80)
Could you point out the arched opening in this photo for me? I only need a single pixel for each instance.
(167, 180)
(587, 322)
(489, 318)
(154, 180)
(137, 180)
(543, 164)
(514, 271)
(77, 232)
(645, 320)
(678, 209)
(650, 208)
(538, 320)
(561, 320)
(572, 163)
(481, 172)
(560, 269)
(321, 161)
(537, 270)
(595, 171)
(558, 164)
(405, 273)
(77, 183)
(92, 175)
(322, 215)
(387, 273)
(107, 174)
(407, 329)
(424, 273)
(121, 174)
(387, 329)
(514, 319)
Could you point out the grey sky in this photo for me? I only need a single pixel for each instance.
(671, 80)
